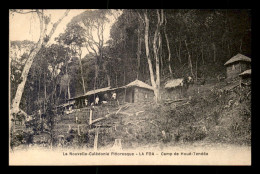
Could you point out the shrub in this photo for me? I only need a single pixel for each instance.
(17, 138)
(193, 134)
(28, 137)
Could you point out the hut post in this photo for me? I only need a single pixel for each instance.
(125, 96)
(78, 131)
(90, 116)
(117, 144)
(240, 82)
(240, 68)
(96, 140)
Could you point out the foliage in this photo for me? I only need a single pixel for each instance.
(74, 35)
(16, 139)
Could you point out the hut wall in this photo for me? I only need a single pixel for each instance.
(121, 96)
(244, 66)
(234, 69)
(135, 94)
(142, 94)
(129, 95)
(175, 93)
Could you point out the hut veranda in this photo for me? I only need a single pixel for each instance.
(136, 91)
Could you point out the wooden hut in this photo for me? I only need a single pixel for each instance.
(245, 77)
(136, 91)
(89, 97)
(237, 65)
(175, 88)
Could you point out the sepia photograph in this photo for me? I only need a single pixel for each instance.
(129, 87)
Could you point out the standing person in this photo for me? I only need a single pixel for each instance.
(97, 100)
(114, 100)
(40, 114)
(114, 96)
(86, 102)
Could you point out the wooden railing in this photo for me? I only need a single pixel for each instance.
(99, 113)
(85, 114)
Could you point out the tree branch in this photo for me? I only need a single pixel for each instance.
(141, 17)
(21, 12)
(92, 48)
(57, 23)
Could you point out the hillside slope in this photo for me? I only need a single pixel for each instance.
(214, 113)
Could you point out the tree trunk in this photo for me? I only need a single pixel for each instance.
(157, 69)
(17, 99)
(27, 66)
(214, 51)
(95, 79)
(180, 52)
(157, 37)
(161, 58)
(202, 56)
(241, 43)
(39, 91)
(124, 84)
(81, 72)
(196, 69)
(168, 47)
(96, 140)
(139, 44)
(229, 52)
(45, 93)
(69, 89)
(108, 80)
(68, 80)
(116, 80)
(189, 58)
(146, 39)
(107, 74)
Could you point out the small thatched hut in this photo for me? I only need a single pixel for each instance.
(237, 65)
(137, 91)
(246, 76)
(175, 88)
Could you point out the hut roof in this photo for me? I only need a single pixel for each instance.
(247, 72)
(173, 83)
(237, 58)
(66, 104)
(140, 84)
(97, 91)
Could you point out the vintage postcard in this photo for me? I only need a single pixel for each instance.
(129, 87)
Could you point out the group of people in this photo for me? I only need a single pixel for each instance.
(105, 100)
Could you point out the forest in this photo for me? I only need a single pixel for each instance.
(149, 45)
